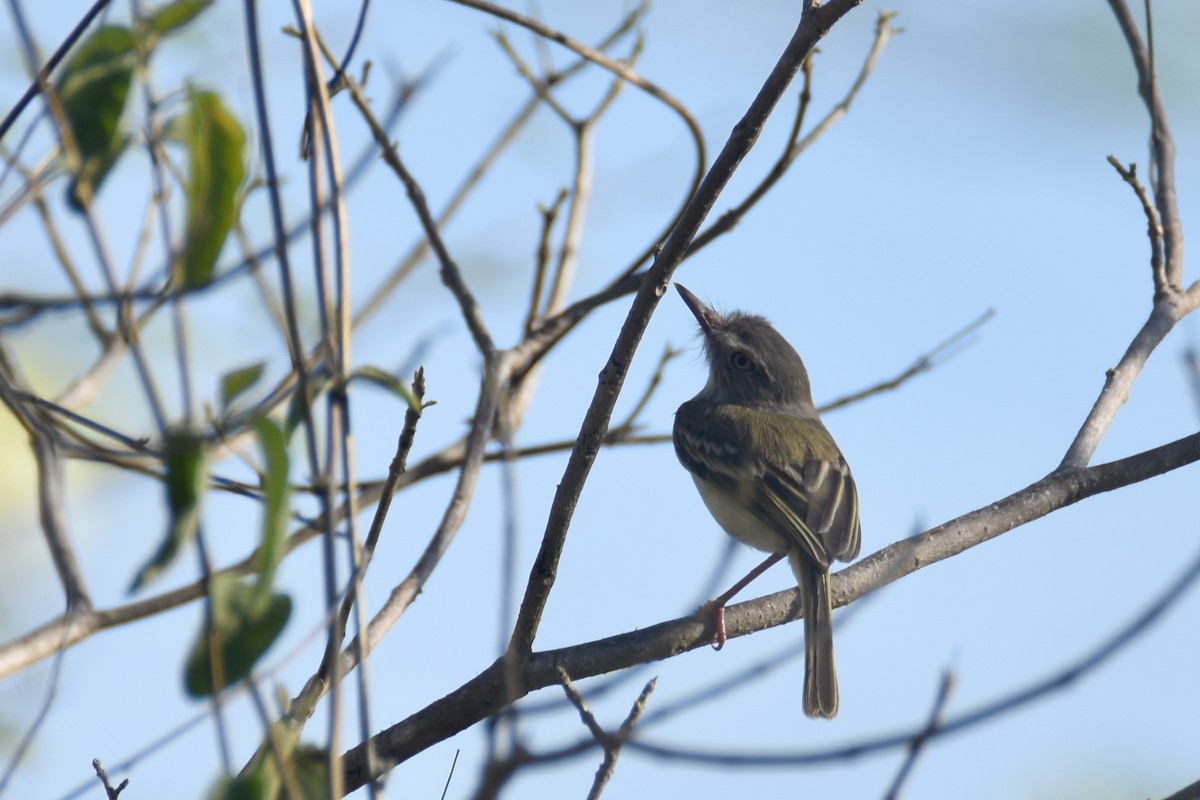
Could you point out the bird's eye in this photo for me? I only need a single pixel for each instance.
(740, 361)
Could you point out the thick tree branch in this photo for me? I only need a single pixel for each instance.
(1171, 302)
(1010, 701)
(484, 695)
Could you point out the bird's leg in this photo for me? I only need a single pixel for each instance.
(717, 607)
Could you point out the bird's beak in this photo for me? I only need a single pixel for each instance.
(707, 318)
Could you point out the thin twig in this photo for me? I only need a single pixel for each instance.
(1154, 228)
(610, 743)
(918, 742)
(506, 136)
(618, 68)
(113, 793)
(41, 642)
(52, 501)
(451, 274)
(450, 774)
(63, 256)
(92, 224)
(335, 81)
(1162, 147)
(612, 750)
(884, 31)
(216, 664)
(566, 264)
(55, 59)
(305, 702)
(585, 714)
(336, 332)
(626, 74)
(630, 423)
(30, 735)
(549, 217)
(581, 184)
(923, 363)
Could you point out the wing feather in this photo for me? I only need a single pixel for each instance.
(809, 498)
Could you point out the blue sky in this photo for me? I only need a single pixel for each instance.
(969, 175)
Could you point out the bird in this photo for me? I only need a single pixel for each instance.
(770, 473)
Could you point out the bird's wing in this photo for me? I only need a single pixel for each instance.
(825, 490)
(811, 500)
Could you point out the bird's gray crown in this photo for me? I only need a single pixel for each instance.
(749, 362)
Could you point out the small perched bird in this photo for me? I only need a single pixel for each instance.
(769, 472)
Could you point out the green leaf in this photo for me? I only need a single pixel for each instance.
(311, 765)
(275, 499)
(386, 380)
(244, 625)
(186, 458)
(92, 89)
(280, 743)
(316, 383)
(250, 786)
(214, 142)
(307, 766)
(175, 15)
(239, 380)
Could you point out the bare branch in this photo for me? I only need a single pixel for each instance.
(42, 642)
(506, 136)
(554, 328)
(884, 31)
(1154, 227)
(630, 424)
(612, 744)
(619, 69)
(52, 500)
(626, 73)
(55, 59)
(1171, 303)
(542, 263)
(1162, 146)
(514, 406)
(113, 793)
(585, 714)
(338, 449)
(305, 702)
(491, 386)
(483, 696)
(29, 736)
(918, 742)
(1191, 792)
(451, 274)
(95, 230)
(923, 363)
(450, 775)
(1118, 382)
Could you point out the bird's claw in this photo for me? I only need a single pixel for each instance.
(717, 611)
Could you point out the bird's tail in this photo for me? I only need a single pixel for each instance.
(820, 674)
